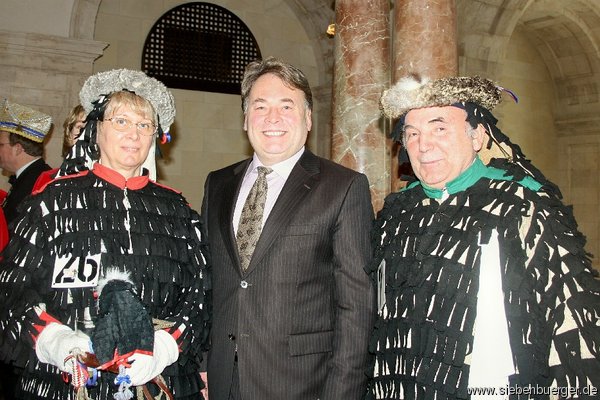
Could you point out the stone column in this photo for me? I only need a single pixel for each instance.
(425, 40)
(320, 143)
(361, 73)
(425, 43)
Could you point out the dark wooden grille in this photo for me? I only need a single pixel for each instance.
(199, 46)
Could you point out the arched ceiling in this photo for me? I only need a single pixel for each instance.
(567, 36)
(315, 16)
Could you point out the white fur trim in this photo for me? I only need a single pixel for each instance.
(405, 94)
(113, 274)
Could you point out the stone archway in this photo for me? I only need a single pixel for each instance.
(563, 35)
(315, 16)
(83, 19)
(483, 33)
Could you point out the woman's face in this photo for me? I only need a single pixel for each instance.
(76, 129)
(124, 143)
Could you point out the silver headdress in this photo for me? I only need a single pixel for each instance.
(94, 97)
(105, 83)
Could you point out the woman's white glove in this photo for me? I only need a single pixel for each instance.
(145, 367)
(57, 343)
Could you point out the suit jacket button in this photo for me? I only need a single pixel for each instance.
(244, 284)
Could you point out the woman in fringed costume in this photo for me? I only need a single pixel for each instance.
(483, 279)
(106, 266)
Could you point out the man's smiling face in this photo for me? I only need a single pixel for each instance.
(277, 120)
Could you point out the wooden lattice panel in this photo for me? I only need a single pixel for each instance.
(199, 46)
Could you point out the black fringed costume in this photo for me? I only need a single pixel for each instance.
(136, 226)
(428, 241)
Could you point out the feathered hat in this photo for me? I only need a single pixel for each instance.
(24, 121)
(414, 92)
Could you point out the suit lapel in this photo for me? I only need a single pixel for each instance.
(302, 179)
(229, 197)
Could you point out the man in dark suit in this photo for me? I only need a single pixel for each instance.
(292, 315)
(22, 133)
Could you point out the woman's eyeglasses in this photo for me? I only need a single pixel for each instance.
(122, 124)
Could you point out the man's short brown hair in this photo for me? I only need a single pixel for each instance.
(30, 147)
(290, 75)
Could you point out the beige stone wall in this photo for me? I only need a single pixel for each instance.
(207, 133)
(571, 161)
(530, 122)
(581, 155)
(46, 17)
(45, 72)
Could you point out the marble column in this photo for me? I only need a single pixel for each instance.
(425, 43)
(425, 38)
(361, 73)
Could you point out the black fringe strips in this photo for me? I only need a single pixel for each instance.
(86, 215)
(425, 332)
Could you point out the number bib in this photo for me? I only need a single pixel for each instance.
(75, 272)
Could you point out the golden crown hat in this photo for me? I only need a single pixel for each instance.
(413, 92)
(24, 121)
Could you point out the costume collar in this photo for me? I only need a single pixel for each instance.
(112, 176)
(462, 182)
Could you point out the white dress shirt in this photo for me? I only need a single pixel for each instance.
(275, 182)
(24, 167)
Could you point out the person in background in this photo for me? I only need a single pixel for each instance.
(289, 241)
(3, 224)
(22, 133)
(72, 128)
(8, 375)
(104, 285)
(483, 279)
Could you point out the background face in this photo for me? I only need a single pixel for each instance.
(438, 144)
(7, 153)
(75, 131)
(277, 121)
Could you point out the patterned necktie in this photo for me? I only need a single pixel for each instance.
(250, 224)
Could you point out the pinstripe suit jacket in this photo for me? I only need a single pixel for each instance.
(301, 315)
